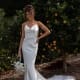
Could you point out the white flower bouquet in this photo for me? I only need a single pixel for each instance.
(19, 66)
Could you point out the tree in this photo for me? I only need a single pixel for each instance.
(62, 18)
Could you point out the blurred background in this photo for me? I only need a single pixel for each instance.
(62, 17)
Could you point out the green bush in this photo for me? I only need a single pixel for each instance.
(61, 17)
(9, 39)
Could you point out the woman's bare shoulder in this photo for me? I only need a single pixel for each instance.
(24, 23)
(39, 22)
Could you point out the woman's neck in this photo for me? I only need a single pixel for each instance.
(31, 21)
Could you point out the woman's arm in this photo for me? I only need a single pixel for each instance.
(21, 40)
(45, 29)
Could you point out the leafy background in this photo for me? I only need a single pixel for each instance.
(62, 17)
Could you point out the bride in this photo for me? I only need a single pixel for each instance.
(29, 44)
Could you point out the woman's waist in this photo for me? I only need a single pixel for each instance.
(30, 41)
(30, 38)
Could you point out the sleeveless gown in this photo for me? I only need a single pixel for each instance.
(29, 50)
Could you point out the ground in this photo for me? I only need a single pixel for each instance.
(47, 70)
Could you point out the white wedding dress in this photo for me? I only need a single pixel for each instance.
(29, 50)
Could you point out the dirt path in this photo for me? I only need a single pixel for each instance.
(47, 70)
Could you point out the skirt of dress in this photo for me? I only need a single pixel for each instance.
(29, 50)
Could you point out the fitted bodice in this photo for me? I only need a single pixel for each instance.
(31, 32)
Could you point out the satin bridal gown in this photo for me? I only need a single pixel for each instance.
(29, 50)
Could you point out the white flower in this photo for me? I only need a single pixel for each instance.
(19, 67)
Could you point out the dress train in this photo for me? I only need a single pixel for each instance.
(29, 50)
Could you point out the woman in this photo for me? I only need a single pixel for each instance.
(29, 45)
(29, 42)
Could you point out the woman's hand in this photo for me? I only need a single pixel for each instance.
(19, 54)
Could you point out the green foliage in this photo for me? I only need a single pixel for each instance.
(61, 17)
(9, 39)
